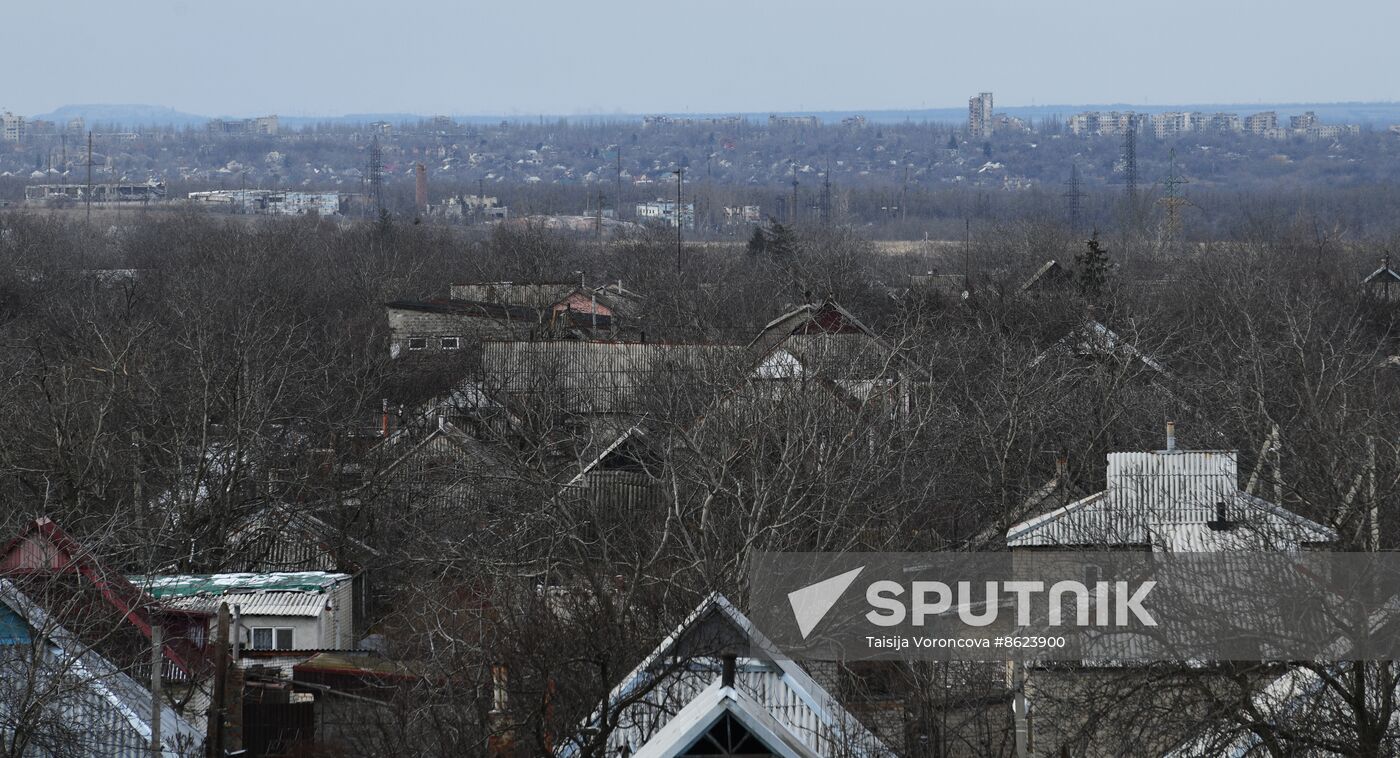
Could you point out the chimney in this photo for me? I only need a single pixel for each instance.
(727, 673)
(421, 187)
(1171, 436)
(384, 418)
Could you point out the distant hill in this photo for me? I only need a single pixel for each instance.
(1380, 114)
(124, 115)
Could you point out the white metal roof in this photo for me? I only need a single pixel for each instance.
(794, 707)
(257, 603)
(1169, 500)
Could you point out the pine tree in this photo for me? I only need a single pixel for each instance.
(758, 242)
(1092, 268)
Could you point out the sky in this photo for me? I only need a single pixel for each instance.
(523, 57)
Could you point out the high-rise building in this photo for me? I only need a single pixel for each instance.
(979, 115)
(11, 127)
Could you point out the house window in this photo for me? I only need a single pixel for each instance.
(448, 343)
(272, 637)
(417, 343)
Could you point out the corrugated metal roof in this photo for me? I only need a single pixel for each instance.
(181, 585)
(274, 603)
(1170, 500)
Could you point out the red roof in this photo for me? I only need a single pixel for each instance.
(44, 548)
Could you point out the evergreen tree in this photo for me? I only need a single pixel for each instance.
(758, 242)
(1092, 268)
(781, 242)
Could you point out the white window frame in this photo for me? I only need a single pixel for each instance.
(456, 343)
(422, 340)
(274, 632)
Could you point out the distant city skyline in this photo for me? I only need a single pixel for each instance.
(322, 58)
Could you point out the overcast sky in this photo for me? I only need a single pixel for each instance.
(519, 57)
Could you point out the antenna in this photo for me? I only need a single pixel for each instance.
(1075, 198)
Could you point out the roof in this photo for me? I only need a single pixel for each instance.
(257, 603)
(469, 309)
(42, 548)
(1383, 275)
(822, 335)
(1169, 500)
(185, 585)
(773, 696)
(1050, 271)
(123, 695)
(1093, 338)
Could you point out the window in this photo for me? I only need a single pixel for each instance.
(272, 638)
(417, 343)
(448, 343)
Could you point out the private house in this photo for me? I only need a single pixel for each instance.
(1171, 500)
(1050, 277)
(303, 610)
(1383, 283)
(708, 689)
(825, 343)
(100, 605)
(442, 327)
(60, 697)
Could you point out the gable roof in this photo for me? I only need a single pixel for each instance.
(1049, 272)
(813, 332)
(126, 703)
(1383, 275)
(1169, 500)
(1093, 338)
(808, 722)
(42, 547)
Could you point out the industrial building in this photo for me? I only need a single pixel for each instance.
(272, 202)
(112, 192)
(664, 211)
(262, 125)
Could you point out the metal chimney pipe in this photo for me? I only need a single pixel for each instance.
(727, 673)
(1171, 436)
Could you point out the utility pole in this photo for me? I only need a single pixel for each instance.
(88, 195)
(826, 195)
(619, 182)
(480, 199)
(904, 195)
(793, 213)
(156, 660)
(218, 711)
(680, 179)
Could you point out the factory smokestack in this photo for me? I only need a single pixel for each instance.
(421, 189)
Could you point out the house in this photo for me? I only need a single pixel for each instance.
(1049, 277)
(436, 327)
(299, 610)
(116, 616)
(824, 342)
(66, 699)
(711, 689)
(1384, 282)
(1171, 500)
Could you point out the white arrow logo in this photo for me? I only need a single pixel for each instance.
(811, 603)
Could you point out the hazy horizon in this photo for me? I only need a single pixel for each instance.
(317, 58)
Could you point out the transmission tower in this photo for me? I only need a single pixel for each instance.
(794, 192)
(1074, 196)
(376, 175)
(1174, 199)
(1130, 174)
